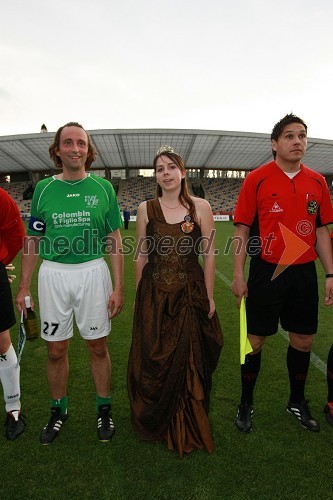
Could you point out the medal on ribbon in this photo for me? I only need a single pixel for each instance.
(187, 226)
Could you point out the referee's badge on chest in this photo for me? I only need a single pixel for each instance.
(312, 207)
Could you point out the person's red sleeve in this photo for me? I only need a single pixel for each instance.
(11, 229)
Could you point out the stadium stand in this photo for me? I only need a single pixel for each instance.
(134, 190)
(115, 183)
(16, 190)
(220, 154)
(222, 193)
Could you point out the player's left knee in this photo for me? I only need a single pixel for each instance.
(301, 342)
(98, 347)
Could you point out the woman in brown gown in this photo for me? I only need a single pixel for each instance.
(177, 338)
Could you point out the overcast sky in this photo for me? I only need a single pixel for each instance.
(237, 65)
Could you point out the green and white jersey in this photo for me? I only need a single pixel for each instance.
(73, 218)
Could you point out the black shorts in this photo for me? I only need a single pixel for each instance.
(291, 298)
(7, 316)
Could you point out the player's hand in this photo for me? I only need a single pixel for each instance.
(11, 277)
(116, 303)
(328, 292)
(20, 302)
(239, 288)
(211, 308)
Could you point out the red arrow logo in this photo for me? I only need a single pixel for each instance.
(294, 248)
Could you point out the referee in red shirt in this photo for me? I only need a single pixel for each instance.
(281, 221)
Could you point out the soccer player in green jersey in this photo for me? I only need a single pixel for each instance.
(75, 220)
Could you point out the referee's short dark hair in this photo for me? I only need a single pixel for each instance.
(280, 125)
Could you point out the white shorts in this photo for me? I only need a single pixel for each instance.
(65, 290)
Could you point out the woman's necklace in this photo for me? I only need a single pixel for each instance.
(170, 208)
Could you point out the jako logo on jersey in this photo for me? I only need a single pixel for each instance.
(276, 208)
(37, 225)
(73, 195)
(93, 328)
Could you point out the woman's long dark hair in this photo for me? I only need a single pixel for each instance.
(184, 195)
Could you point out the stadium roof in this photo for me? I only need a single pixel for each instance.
(118, 149)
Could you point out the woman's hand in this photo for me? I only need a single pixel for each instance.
(211, 308)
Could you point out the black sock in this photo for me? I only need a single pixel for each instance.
(330, 375)
(298, 366)
(249, 373)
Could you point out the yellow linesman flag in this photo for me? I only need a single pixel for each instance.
(245, 346)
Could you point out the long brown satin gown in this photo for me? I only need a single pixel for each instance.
(175, 347)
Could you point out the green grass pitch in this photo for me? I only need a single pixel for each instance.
(279, 459)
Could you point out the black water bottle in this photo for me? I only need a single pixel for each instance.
(30, 322)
